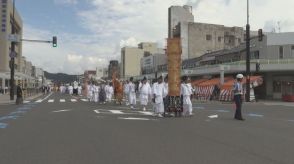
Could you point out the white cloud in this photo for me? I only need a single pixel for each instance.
(73, 55)
(70, 2)
(118, 23)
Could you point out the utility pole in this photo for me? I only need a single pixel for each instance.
(12, 51)
(247, 96)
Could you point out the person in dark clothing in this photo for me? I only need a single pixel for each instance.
(19, 98)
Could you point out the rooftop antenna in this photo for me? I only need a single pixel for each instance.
(279, 26)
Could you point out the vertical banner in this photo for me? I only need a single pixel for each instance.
(174, 52)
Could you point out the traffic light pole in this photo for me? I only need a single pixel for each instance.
(12, 50)
(247, 96)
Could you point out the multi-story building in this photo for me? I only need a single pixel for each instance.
(179, 18)
(200, 38)
(205, 38)
(6, 19)
(130, 61)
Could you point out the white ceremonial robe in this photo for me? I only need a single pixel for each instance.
(145, 91)
(79, 90)
(186, 91)
(91, 92)
(96, 93)
(159, 91)
(110, 93)
(132, 93)
(70, 90)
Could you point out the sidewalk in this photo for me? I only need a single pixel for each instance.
(5, 99)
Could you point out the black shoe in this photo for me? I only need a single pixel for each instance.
(241, 119)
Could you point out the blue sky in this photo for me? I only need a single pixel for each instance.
(92, 32)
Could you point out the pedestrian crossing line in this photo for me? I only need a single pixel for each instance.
(96, 111)
(146, 113)
(73, 100)
(50, 101)
(116, 112)
(62, 100)
(38, 101)
(25, 102)
(85, 100)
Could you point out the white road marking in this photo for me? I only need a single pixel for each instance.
(57, 111)
(25, 102)
(62, 100)
(213, 116)
(85, 100)
(116, 111)
(51, 100)
(38, 101)
(133, 118)
(96, 111)
(146, 113)
(73, 100)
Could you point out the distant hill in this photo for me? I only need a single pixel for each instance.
(60, 77)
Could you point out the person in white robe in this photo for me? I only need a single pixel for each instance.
(91, 92)
(158, 94)
(126, 92)
(79, 89)
(132, 93)
(145, 92)
(107, 92)
(110, 92)
(186, 92)
(70, 89)
(96, 92)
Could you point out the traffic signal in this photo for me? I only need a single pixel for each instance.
(260, 35)
(257, 67)
(54, 41)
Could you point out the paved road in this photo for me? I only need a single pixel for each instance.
(61, 129)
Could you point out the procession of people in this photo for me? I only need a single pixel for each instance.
(153, 94)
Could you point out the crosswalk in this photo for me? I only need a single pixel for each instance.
(123, 112)
(56, 101)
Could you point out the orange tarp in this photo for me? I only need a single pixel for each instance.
(229, 84)
(214, 81)
(197, 82)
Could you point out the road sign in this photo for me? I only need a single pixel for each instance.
(13, 38)
(12, 54)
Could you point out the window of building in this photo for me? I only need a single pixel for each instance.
(219, 39)
(281, 52)
(292, 51)
(4, 1)
(208, 37)
(277, 86)
(239, 40)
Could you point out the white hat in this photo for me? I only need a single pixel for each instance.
(239, 76)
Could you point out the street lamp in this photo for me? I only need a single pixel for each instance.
(247, 96)
(12, 51)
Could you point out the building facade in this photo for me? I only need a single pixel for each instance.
(179, 18)
(130, 61)
(204, 38)
(6, 18)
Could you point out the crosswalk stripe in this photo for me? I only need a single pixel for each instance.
(116, 111)
(73, 100)
(25, 102)
(85, 100)
(146, 113)
(38, 101)
(51, 101)
(96, 111)
(62, 100)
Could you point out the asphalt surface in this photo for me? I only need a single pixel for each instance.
(87, 133)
